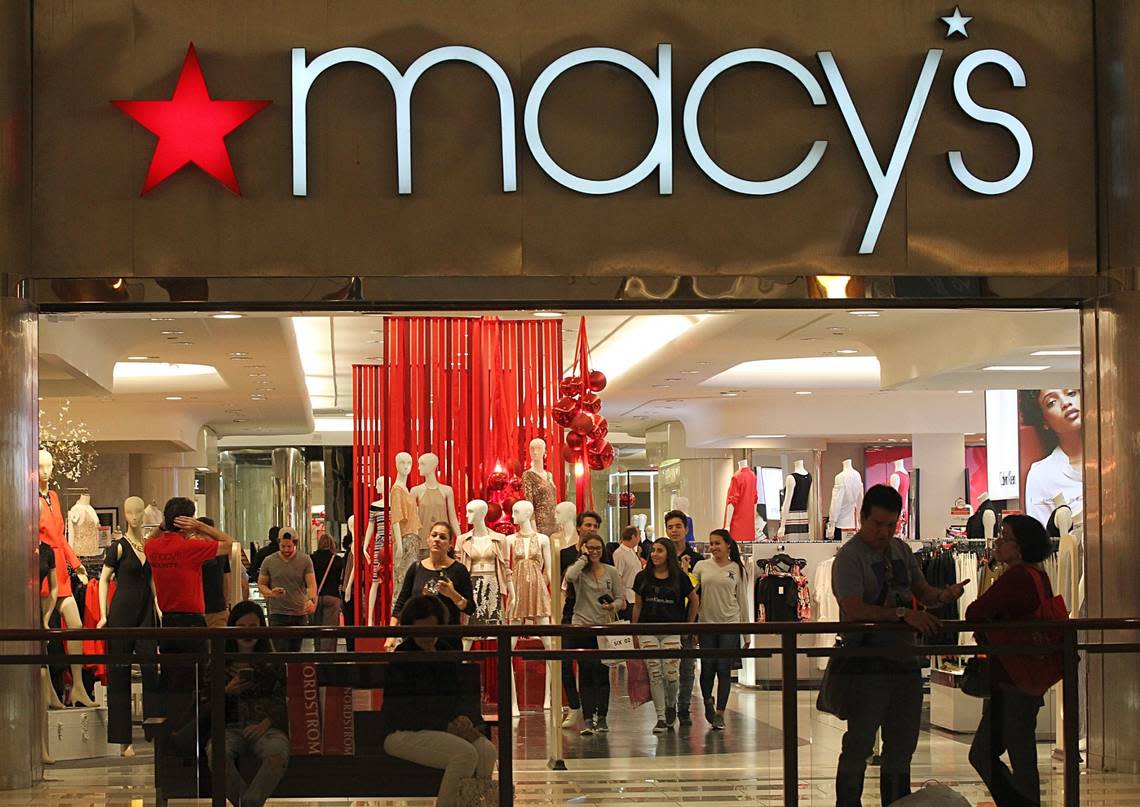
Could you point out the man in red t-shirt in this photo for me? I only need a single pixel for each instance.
(176, 556)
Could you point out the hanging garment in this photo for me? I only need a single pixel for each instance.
(539, 490)
(379, 537)
(777, 598)
(826, 606)
(797, 522)
(531, 589)
(489, 586)
(410, 550)
(846, 498)
(975, 529)
(902, 530)
(432, 506)
(52, 533)
(83, 529)
(742, 497)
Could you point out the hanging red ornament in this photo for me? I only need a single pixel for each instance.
(569, 387)
(601, 429)
(597, 380)
(591, 403)
(583, 422)
(574, 441)
(600, 454)
(504, 528)
(515, 488)
(494, 512)
(496, 481)
(564, 410)
(509, 505)
(627, 499)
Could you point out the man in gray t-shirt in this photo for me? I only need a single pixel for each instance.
(876, 579)
(288, 584)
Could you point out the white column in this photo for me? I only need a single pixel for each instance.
(941, 460)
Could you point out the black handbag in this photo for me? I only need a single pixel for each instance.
(835, 690)
(976, 678)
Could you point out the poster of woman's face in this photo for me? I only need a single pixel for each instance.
(1051, 451)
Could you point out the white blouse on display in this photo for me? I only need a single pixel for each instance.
(83, 529)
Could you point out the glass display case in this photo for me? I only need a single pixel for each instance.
(629, 494)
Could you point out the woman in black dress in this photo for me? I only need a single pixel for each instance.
(439, 575)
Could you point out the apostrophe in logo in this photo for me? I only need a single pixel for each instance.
(191, 127)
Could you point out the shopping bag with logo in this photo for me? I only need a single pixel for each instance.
(621, 643)
(1032, 672)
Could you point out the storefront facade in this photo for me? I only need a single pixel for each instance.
(690, 155)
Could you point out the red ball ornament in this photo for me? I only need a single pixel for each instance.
(514, 467)
(494, 512)
(496, 481)
(509, 505)
(583, 422)
(569, 387)
(574, 440)
(504, 528)
(564, 410)
(515, 488)
(591, 403)
(569, 452)
(597, 380)
(627, 499)
(600, 454)
(601, 429)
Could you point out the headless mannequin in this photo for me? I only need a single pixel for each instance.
(731, 508)
(839, 496)
(429, 464)
(134, 510)
(789, 489)
(896, 483)
(83, 527)
(989, 526)
(66, 606)
(370, 538)
(521, 545)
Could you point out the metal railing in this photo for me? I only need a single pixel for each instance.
(788, 651)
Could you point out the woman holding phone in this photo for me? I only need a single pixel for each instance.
(437, 575)
(665, 594)
(598, 591)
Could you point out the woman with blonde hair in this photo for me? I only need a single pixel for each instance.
(327, 568)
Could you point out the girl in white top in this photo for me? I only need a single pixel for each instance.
(720, 581)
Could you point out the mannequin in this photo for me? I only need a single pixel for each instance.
(374, 542)
(530, 567)
(900, 481)
(51, 533)
(989, 526)
(565, 529)
(133, 606)
(407, 545)
(434, 501)
(538, 488)
(486, 556)
(846, 501)
(740, 512)
(83, 527)
(794, 511)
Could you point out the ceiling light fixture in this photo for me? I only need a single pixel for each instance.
(162, 319)
(1066, 352)
(869, 314)
(259, 375)
(691, 372)
(161, 370)
(1016, 368)
(547, 314)
(847, 351)
(764, 436)
(965, 392)
(227, 315)
(636, 339)
(141, 358)
(174, 397)
(238, 356)
(172, 333)
(183, 344)
(729, 394)
(803, 392)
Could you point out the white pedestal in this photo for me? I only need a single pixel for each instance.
(953, 710)
(77, 733)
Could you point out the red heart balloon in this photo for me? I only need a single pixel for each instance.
(591, 402)
(597, 380)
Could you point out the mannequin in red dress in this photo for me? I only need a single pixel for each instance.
(52, 533)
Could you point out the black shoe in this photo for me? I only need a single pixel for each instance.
(717, 722)
(600, 725)
(710, 711)
(684, 716)
(588, 729)
(670, 717)
(660, 728)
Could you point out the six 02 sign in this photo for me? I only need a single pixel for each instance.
(884, 179)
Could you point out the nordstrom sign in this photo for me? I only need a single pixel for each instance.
(883, 175)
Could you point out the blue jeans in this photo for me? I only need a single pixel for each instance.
(890, 700)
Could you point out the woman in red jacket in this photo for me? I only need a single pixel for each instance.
(1009, 716)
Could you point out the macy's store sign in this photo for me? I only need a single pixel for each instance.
(191, 125)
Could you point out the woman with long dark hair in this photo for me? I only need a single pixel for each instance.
(256, 718)
(438, 575)
(720, 582)
(664, 595)
(597, 599)
(1009, 715)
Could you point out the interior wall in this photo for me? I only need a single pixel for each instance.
(940, 460)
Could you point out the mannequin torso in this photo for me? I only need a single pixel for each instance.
(794, 511)
(530, 560)
(484, 553)
(740, 511)
(83, 527)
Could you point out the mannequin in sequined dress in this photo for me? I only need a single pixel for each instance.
(538, 488)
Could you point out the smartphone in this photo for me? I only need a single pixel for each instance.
(606, 599)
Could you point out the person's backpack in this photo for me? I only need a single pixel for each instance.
(1031, 672)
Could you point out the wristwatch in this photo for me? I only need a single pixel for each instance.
(900, 614)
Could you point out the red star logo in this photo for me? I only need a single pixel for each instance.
(191, 127)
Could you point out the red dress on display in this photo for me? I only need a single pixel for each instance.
(742, 497)
(52, 533)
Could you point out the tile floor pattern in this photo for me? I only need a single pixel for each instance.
(632, 766)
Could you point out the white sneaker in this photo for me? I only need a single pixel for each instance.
(572, 718)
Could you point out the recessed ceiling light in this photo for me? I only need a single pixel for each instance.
(1068, 352)
(240, 420)
(259, 375)
(664, 386)
(174, 397)
(965, 392)
(672, 379)
(172, 333)
(721, 310)
(764, 436)
(238, 356)
(227, 315)
(257, 397)
(863, 313)
(162, 319)
(803, 392)
(161, 370)
(203, 470)
(548, 314)
(1017, 368)
(847, 351)
(729, 394)
(184, 343)
(691, 372)
(141, 358)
